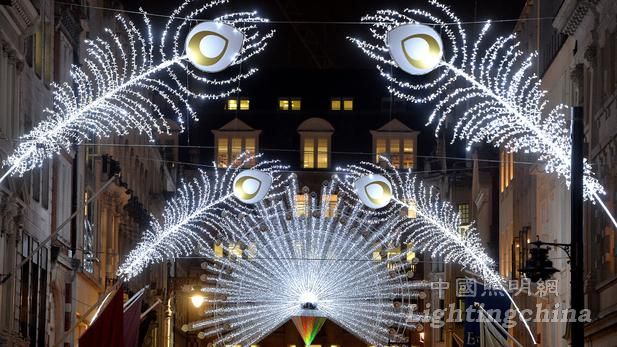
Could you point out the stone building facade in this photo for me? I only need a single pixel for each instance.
(576, 59)
(47, 300)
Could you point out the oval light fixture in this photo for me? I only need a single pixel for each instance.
(251, 186)
(213, 46)
(375, 191)
(417, 49)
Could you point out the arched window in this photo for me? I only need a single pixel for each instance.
(315, 143)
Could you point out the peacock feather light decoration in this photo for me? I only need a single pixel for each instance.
(130, 79)
(317, 256)
(505, 105)
(435, 227)
(307, 262)
(188, 220)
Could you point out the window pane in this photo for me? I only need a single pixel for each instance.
(380, 149)
(283, 104)
(395, 153)
(308, 149)
(236, 147)
(244, 104)
(301, 205)
(408, 153)
(322, 153)
(348, 104)
(232, 104)
(296, 104)
(249, 147)
(335, 105)
(223, 152)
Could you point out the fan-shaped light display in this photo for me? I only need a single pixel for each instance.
(213, 46)
(251, 186)
(374, 191)
(417, 49)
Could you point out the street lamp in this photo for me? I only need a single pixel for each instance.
(197, 300)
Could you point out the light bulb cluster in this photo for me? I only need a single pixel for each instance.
(130, 81)
(503, 102)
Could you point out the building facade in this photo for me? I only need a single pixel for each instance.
(70, 221)
(576, 52)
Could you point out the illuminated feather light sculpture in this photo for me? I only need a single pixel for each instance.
(114, 91)
(307, 263)
(435, 227)
(188, 219)
(505, 104)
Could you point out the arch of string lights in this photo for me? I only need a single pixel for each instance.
(125, 70)
(279, 255)
(505, 105)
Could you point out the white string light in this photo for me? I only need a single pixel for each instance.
(436, 228)
(188, 216)
(280, 256)
(114, 92)
(506, 106)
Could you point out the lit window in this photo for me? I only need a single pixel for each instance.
(330, 200)
(335, 104)
(296, 104)
(338, 104)
(229, 149)
(244, 104)
(411, 255)
(376, 253)
(223, 152)
(302, 205)
(315, 152)
(235, 250)
(236, 147)
(218, 250)
(506, 169)
(411, 209)
(308, 150)
(463, 211)
(322, 153)
(283, 104)
(286, 104)
(232, 104)
(348, 104)
(399, 150)
(392, 255)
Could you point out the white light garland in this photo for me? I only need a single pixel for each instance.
(188, 217)
(505, 103)
(128, 78)
(437, 228)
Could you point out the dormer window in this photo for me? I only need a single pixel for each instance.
(233, 139)
(315, 143)
(396, 142)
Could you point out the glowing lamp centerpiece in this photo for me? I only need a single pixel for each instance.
(213, 46)
(375, 191)
(417, 49)
(251, 186)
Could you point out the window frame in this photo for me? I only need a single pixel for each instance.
(316, 136)
(399, 137)
(229, 136)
